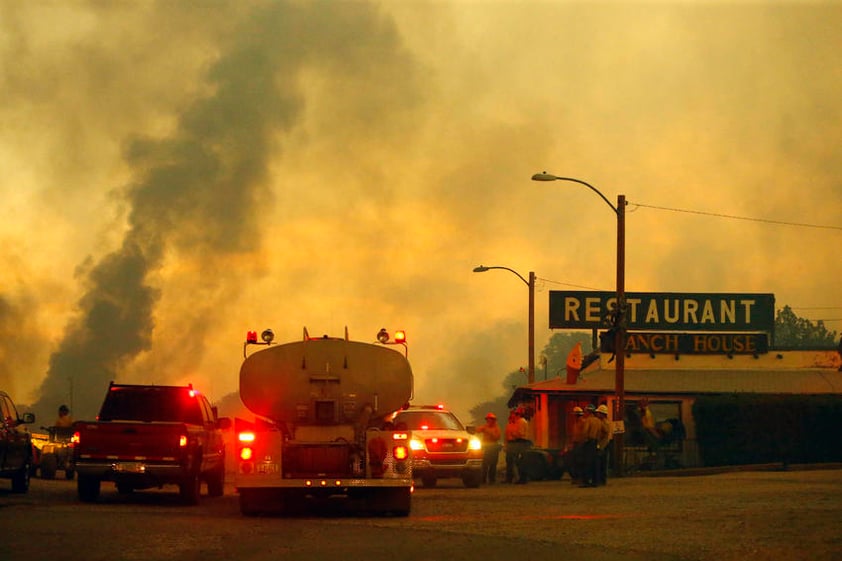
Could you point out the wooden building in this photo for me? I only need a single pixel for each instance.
(668, 384)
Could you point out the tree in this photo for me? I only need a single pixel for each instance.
(793, 332)
(499, 405)
(559, 346)
(556, 351)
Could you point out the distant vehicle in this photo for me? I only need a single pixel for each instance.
(441, 445)
(150, 436)
(15, 444)
(54, 452)
(320, 435)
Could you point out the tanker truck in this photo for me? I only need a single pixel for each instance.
(321, 437)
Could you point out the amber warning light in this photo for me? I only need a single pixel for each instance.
(267, 336)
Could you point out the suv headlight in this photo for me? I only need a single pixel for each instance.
(475, 444)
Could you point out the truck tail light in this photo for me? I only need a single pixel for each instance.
(182, 441)
(246, 438)
(400, 452)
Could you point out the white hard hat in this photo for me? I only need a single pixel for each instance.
(602, 409)
(577, 410)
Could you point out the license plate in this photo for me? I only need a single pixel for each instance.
(130, 467)
(266, 468)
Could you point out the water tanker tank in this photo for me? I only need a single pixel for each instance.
(325, 381)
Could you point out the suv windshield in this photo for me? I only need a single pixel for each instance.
(427, 420)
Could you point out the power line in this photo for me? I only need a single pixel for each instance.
(569, 284)
(720, 215)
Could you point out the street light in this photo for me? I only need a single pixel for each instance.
(531, 285)
(619, 308)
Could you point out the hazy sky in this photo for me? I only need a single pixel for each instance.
(175, 174)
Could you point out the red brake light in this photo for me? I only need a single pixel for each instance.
(400, 336)
(246, 453)
(251, 337)
(246, 437)
(182, 441)
(400, 452)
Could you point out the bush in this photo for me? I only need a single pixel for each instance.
(739, 429)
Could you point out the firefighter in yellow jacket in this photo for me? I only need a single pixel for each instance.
(591, 430)
(604, 440)
(490, 433)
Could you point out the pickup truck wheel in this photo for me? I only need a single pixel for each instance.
(49, 466)
(216, 482)
(88, 488)
(472, 480)
(20, 480)
(189, 489)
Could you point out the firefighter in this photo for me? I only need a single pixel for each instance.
(573, 455)
(64, 419)
(605, 436)
(590, 460)
(490, 433)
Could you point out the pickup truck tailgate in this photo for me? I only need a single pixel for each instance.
(132, 440)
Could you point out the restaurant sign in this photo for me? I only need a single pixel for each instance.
(691, 343)
(664, 311)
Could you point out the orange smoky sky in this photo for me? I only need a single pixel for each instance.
(177, 173)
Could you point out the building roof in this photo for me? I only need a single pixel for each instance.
(793, 373)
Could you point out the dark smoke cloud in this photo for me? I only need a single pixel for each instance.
(200, 190)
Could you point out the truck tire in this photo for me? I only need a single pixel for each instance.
(189, 489)
(36, 459)
(49, 466)
(428, 481)
(216, 482)
(20, 479)
(88, 488)
(250, 502)
(398, 502)
(472, 479)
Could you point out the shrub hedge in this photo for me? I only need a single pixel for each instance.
(738, 429)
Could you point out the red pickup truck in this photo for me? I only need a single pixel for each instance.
(151, 436)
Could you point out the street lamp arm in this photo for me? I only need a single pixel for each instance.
(483, 268)
(550, 177)
(530, 284)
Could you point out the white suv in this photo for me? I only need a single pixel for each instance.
(441, 445)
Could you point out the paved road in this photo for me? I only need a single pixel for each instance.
(729, 516)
